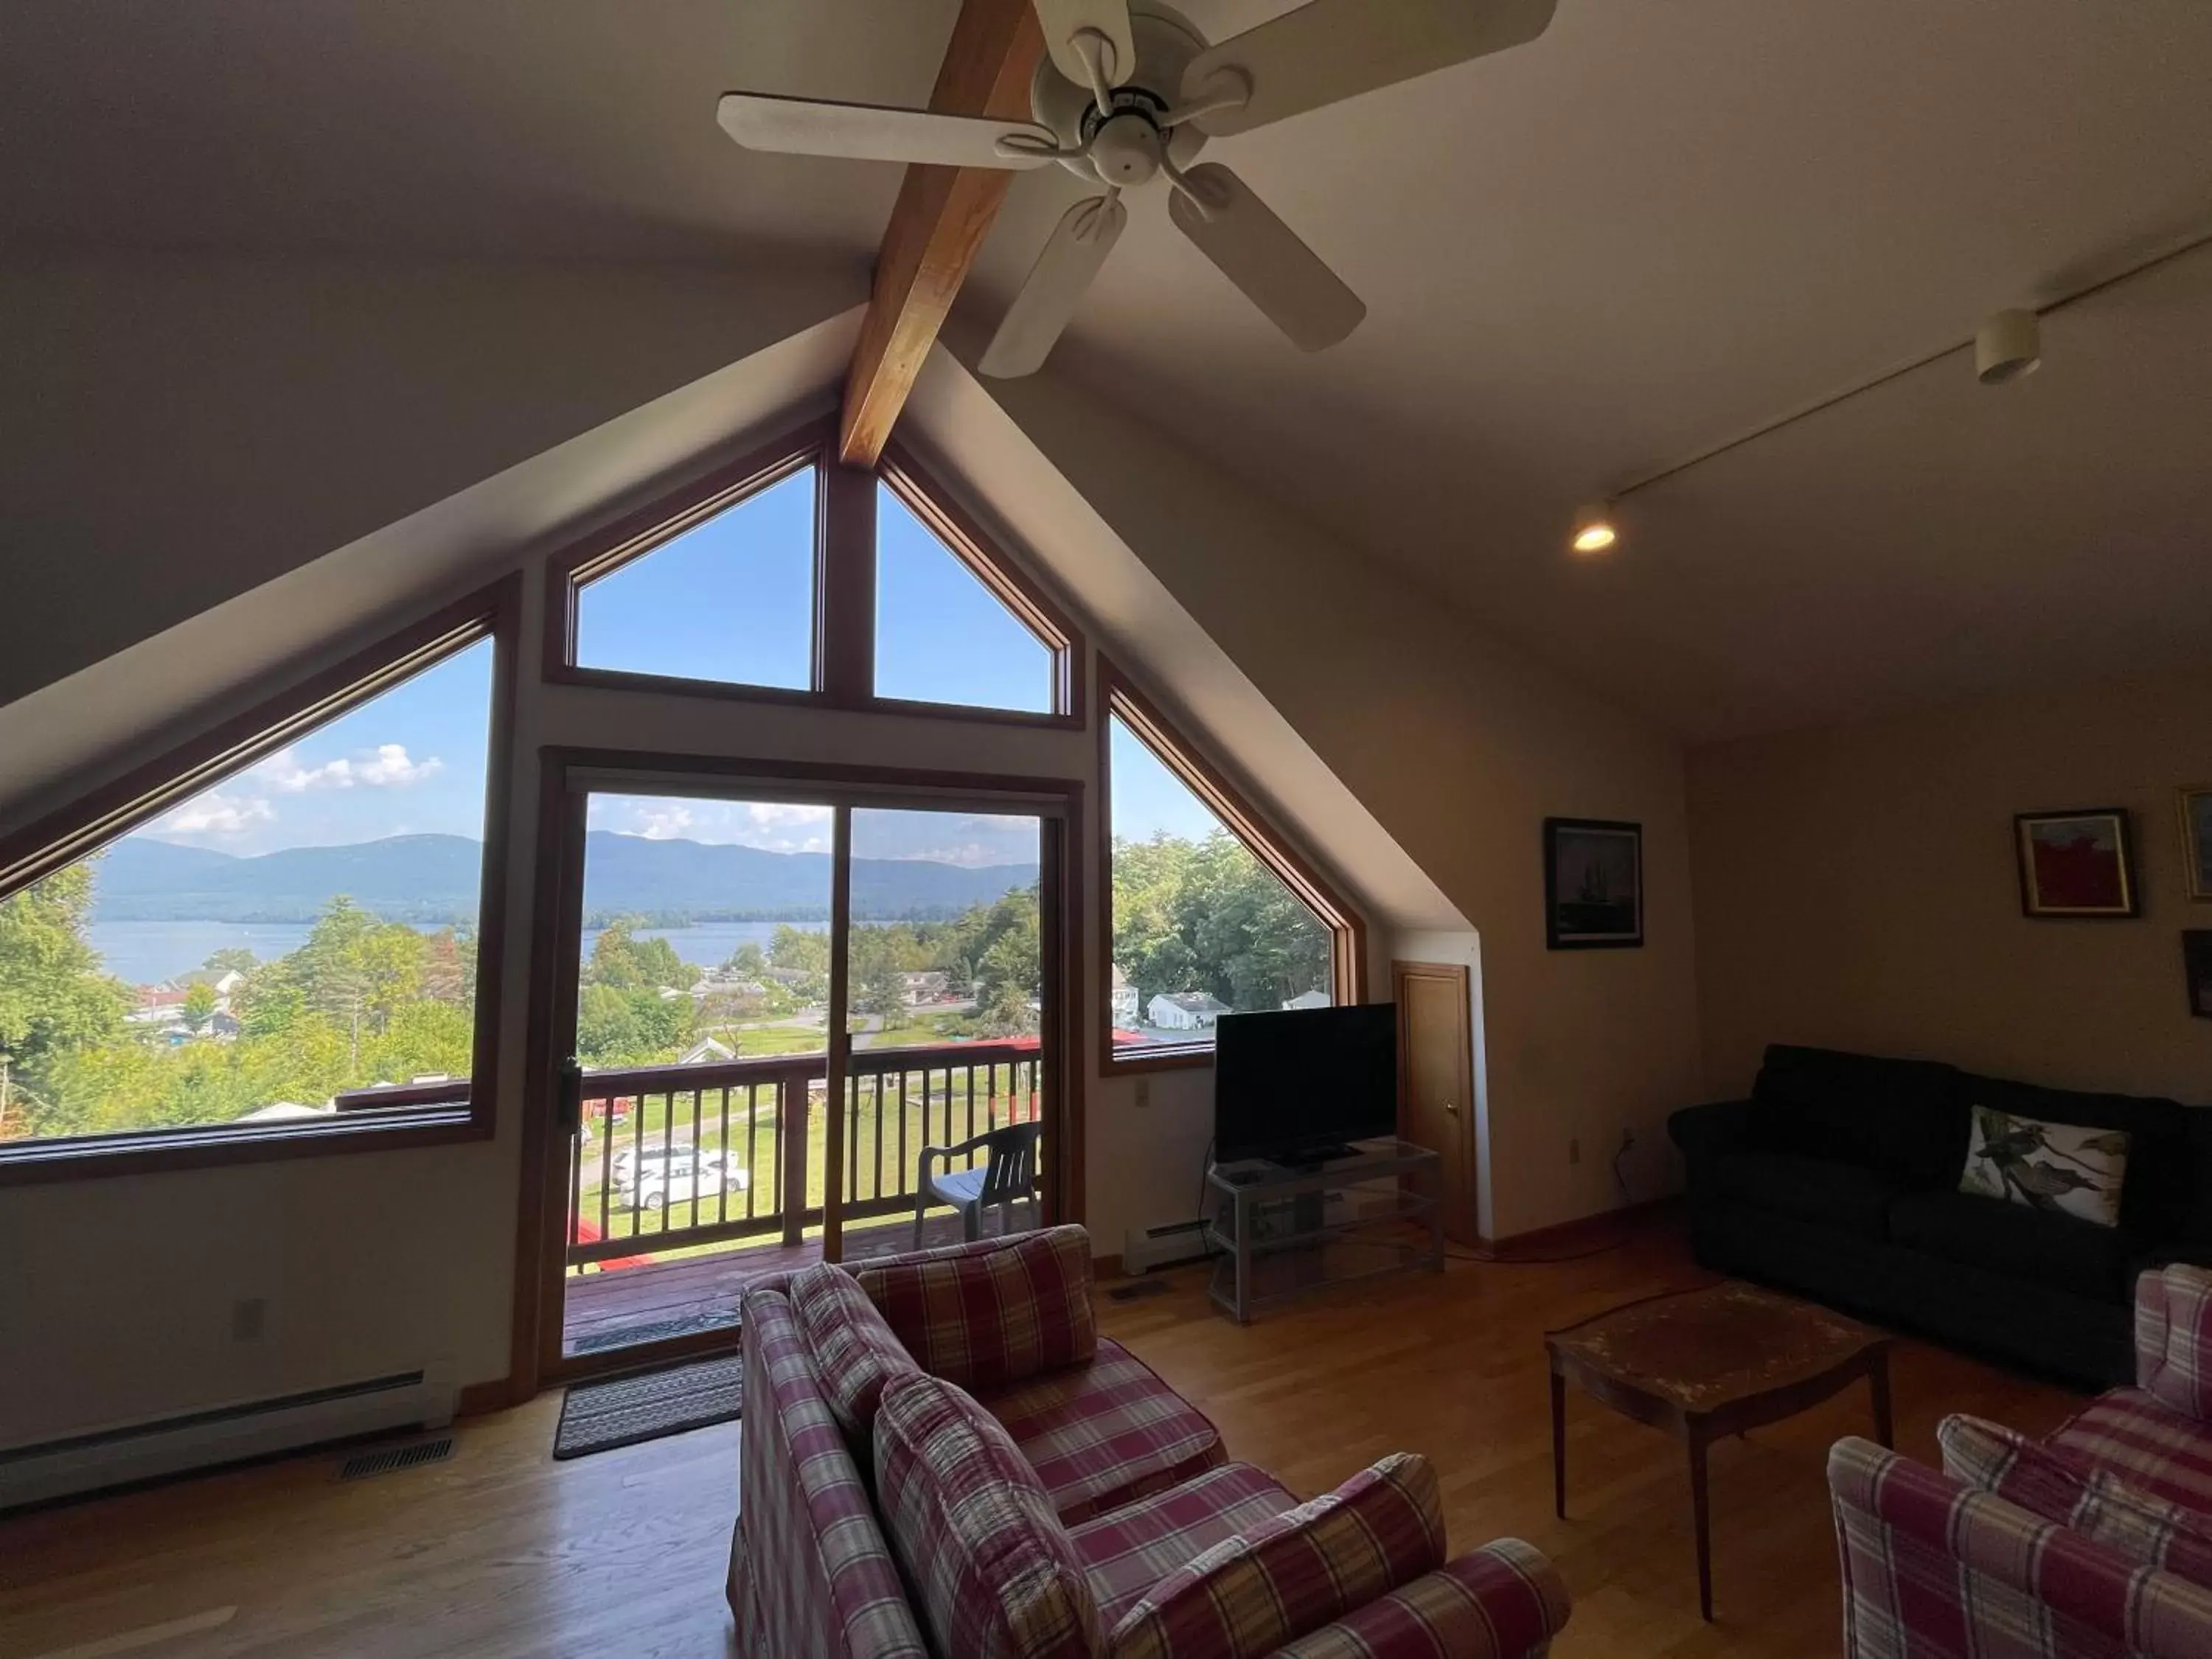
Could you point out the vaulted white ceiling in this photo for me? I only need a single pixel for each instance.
(1658, 226)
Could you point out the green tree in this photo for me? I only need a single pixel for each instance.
(55, 1001)
(626, 962)
(1208, 916)
(422, 1039)
(199, 1006)
(630, 1027)
(231, 959)
(799, 950)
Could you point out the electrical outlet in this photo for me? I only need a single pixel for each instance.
(1144, 1092)
(1574, 1149)
(247, 1319)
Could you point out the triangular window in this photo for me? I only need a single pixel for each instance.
(943, 633)
(729, 599)
(1208, 914)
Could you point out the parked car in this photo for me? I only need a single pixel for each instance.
(653, 1179)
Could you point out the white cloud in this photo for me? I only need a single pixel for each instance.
(661, 822)
(766, 812)
(217, 814)
(387, 765)
(393, 767)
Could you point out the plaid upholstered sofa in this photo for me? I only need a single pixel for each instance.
(2095, 1541)
(942, 1459)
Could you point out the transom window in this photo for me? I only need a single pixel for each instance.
(730, 599)
(942, 635)
(787, 576)
(273, 933)
(1208, 914)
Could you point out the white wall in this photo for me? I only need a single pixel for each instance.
(180, 430)
(1458, 745)
(1858, 889)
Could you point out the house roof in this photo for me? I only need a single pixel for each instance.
(1196, 1002)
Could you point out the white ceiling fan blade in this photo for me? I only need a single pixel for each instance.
(1330, 49)
(872, 132)
(1078, 245)
(1063, 22)
(1264, 257)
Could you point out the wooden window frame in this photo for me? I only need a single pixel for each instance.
(845, 577)
(1119, 699)
(106, 814)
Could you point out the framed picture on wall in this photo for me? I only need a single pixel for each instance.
(1593, 884)
(2079, 864)
(2197, 963)
(2196, 843)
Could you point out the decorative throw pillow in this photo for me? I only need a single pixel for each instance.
(993, 1571)
(1285, 1578)
(2047, 1481)
(2063, 1168)
(986, 1314)
(853, 1348)
(2143, 1528)
(2055, 1484)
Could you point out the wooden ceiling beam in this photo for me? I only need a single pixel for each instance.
(942, 216)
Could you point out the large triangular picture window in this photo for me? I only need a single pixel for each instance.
(946, 629)
(729, 598)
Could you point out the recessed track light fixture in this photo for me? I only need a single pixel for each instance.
(1594, 530)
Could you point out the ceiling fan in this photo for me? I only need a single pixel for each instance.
(1128, 92)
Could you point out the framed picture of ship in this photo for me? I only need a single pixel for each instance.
(2079, 864)
(1593, 884)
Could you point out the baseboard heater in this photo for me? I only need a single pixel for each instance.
(1143, 1250)
(226, 1434)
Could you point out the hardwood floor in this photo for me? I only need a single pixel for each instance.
(502, 1552)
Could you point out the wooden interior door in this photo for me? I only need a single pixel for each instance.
(1436, 1079)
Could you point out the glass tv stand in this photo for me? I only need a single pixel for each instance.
(1282, 1230)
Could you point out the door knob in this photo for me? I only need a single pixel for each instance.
(1452, 1107)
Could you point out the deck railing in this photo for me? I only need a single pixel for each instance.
(675, 1156)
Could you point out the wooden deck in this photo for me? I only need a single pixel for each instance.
(694, 1292)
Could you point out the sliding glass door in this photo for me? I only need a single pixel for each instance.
(944, 1010)
(792, 1029)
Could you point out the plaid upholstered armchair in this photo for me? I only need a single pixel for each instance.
(942, 1459)
(2096, 1540)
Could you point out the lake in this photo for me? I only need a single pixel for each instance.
(148, 952)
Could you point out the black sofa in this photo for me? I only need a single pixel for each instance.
(1839, 1178)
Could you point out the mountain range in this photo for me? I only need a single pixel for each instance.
(432, 879)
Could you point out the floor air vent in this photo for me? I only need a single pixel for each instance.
(392, 1459)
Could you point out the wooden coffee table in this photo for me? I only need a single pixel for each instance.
(1709, 1363)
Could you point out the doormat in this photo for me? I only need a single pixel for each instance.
(622, 1411)
(659, 1330)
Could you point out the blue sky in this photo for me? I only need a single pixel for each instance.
(1148, 798)
(730, 600)
(410, 762)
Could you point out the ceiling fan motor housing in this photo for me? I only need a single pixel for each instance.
(1128, 141)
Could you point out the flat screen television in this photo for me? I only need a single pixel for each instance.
(1294, 1086)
